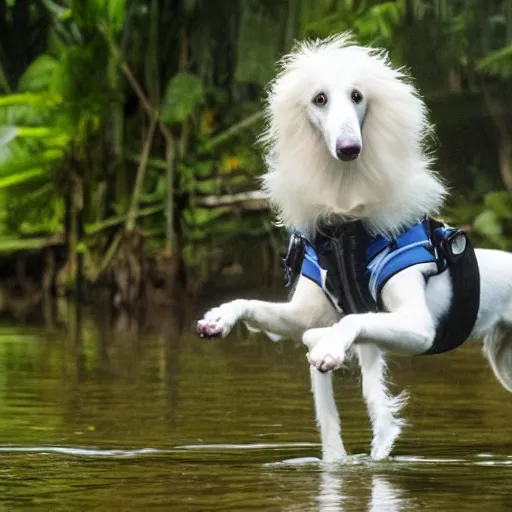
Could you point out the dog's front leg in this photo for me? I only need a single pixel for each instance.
(307, 308)
(409, 327)
(327, 416)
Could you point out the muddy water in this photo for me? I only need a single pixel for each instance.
(100, 416)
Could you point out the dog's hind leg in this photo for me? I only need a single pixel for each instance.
(383, 408)
(498, 350)
(327, 416)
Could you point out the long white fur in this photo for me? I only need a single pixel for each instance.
(304, 181)
(390, 186)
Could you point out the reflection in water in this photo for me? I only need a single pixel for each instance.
(385, 497)
(330, 497)
(336, 494)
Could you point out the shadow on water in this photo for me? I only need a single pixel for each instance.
(109, 413)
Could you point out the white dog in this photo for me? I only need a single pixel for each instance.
(345, 142)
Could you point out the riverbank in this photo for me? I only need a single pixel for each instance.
(138, 277)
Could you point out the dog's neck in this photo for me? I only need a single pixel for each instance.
(396, 213)
(385, 209)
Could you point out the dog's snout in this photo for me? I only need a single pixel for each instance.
(347, 152)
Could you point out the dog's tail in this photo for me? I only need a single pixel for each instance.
(498, 350)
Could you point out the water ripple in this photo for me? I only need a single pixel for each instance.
(482, 459)
(80, 452)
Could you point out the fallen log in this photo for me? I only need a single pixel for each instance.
(254, 200)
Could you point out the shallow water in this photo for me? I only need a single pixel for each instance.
(98, 416)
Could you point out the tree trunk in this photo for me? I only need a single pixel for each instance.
(75, 231)
(291, 23)
(504, 137)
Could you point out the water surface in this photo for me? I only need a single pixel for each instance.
(96, 415)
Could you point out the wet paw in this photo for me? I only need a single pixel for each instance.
(218, 321)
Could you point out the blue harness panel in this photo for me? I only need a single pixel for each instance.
(385, 257)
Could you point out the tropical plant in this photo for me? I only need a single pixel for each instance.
(135, 119)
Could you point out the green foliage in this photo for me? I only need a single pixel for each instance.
(51, 124)
(498, 62)
(491, 219)
(108, 15)
(378, 24)
(494, 223)
(372, 22)
(257, 45)
(39, 74)
(74, 122)
(27, 153)
(183, 95)
(500, 203)
(470, 33)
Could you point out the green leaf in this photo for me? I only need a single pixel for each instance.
(28, 98)
(54, 8)
(488, 225)
(499, 203)
(22, 177)
(499, 61)
(203, 169)
(15, 165)
(81, 248)
(183, 94)
(200, 217)
(38, 76)
(116, 13)
(8, 133)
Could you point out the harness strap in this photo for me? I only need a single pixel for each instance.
(456, 326)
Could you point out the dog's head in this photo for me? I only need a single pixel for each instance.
(345, 133)
(338, 84)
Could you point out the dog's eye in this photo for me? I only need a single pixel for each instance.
(320, 99)
(356, 96)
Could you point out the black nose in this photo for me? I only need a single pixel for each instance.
(347, 153)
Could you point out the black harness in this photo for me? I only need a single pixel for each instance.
(344, 251)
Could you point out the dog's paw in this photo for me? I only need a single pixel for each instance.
(325, 360)
(328, 353)
(219, 321)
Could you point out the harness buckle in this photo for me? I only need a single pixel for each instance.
(455, 245)
(452, 245)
